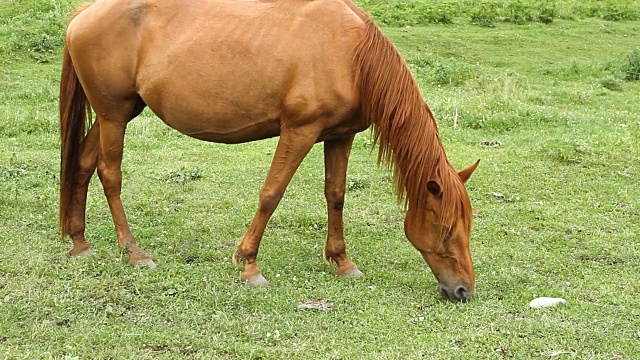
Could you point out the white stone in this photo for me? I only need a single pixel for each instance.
(546, 302)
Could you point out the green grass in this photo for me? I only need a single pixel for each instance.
(556, 214)
(489, 13)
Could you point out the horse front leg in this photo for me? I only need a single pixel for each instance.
(336, 157)
(110, 173)
(76, 219)
(293, 146)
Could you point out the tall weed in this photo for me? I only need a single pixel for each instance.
(517, 12)
(632, 67)
(485, 14)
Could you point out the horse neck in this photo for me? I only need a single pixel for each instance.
(403, 124)
(418, 157)
(417, 154)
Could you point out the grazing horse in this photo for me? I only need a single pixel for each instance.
(233, 71)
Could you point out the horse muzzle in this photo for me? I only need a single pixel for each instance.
(459, 292)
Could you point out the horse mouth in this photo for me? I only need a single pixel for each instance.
(459, 293)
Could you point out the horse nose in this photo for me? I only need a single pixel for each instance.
(462, 293)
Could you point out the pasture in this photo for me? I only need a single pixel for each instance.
(550, 107)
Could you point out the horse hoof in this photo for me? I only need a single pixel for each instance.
(353, 272)
(257, 280)
(80, 253)
(148, 263)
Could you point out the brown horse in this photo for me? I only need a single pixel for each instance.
(234, 71)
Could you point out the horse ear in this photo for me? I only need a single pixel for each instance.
(434, 188)
(466, 173)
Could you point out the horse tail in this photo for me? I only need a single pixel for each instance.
(75, 119)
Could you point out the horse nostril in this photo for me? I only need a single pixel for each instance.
(461, 293)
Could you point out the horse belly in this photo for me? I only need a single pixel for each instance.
(219, 100)
(215, 121)
(228, 131)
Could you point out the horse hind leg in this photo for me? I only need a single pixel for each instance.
(76, 219)
(112, 130)
(336, 157)
(293, 146)
(76, 212)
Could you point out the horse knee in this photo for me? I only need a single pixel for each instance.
(111, 180)
(335, 199)
(84, 174)
(269, 200)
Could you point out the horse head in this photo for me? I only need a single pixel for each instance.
(443, 240)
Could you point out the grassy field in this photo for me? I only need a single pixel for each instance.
(550, 108)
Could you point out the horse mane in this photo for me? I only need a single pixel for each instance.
(404, 127)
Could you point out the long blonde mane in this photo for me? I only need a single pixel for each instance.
(404, 126)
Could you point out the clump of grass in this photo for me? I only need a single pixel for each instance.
(430, 13)
(42, 46)
(485, 15)
(401, 13)
(569, 153)
(607, 10)
(358, 183)
(517, 12)
(632, 67)
(611, 82)
(619, 12)
(546, 12)
(440, 72)
(574, 71)
(183, 175)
